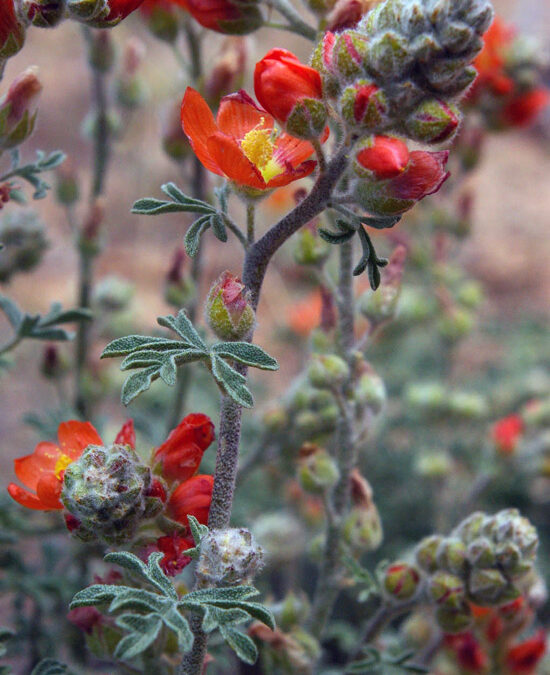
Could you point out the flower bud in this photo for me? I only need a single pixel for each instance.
(181, 454)
(454, 620)
(401, 581)
(363, 529)
(105, 489)
(293, 610)
(232, 17)
(281, 535)
(229, 312)
(101, 13)
(18, 109)
(327, 371)
(229, 557)
(447, 590)
(43, 13)
(89, 240)
(227, 72)
(309, 247)
(292, 92)
(174, 142)
(24, 239)
(53, 366)
(468, 405)
(455, 324)
(433, 121)
(451, 555)
(434, 465)
(12, 30)
(426, 396)
(480, 553)
(191, 498)
(389, 56)
(426, 552)
(365, 106)
(113, 294)
(487, 586)
(370, 391)
(130, 89)
(345, 14)
(317, 470)
(471, 527)
(381, 157)
(67, 189)
(161, 18)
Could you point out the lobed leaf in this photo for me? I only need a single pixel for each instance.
(231, 382)
(146, 630)
(97, 594)
(246, 353)
(193, 235)
(138, 383)
(241, 644)
(180, 626)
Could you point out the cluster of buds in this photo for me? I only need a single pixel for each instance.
(24, 240)
(484, 561)
(432, 398)
(509, 90)
(229, 557)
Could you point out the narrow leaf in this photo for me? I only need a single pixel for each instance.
(13, 314)
(193, 235)
(177, 623)
(334, 238)
(95, 595)
(129, 343)
(244, 352)
(137, 384)
(231, 382)
(157, 577)
(241, 644)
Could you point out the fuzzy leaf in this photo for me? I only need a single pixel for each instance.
(97, 594)
(129, 343)
(197, 529)
(218, 227)
(244, 352)
(241, 644)
(156, 576)
(181, 325)
(50, 667)
(137, 384)
(225, 593)
(146, 630)
(138, 599)
(334, 238)
(13, 314)
(232, 382)
(180, 197)
(216, 617)
(193, 235)
(177, 623)
(254, 609)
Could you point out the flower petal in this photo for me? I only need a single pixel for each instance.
(238, 114)
(25, 498)
(291, 150)
(75, 436)
(291, 175)
(30, 468)
(229, 157)
(127, 435)
(48, 490)
(198, 125)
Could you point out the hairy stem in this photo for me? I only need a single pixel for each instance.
(297, 24)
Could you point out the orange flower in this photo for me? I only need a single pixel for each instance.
(506, 433)
(181, 453)
(523, 658)
(524, 108)
(191, 498)
(42, 472)
(491, 60)
(304, 316)
(242, 144)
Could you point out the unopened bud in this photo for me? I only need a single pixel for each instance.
(433, 121)
(447, 590)
(327, 371)
(454, 620)
(161, 19)
(229, 557)
(365, 106)
(18, 109)
(174, 142)
(468, 405)
(426, 552)
(67, 188)
(24, 238)
(113, 294)
(381, 157)
(294, 609)
(12, 30)
(281, 535)
(481, 553)
(370, 391)
(363, 528)
(401, 581)
(427, 396)
(345, 14)
(451, 555)
(90, 234)
(437, 464)
(229, 312)
(130, 89)
(456, 323)
(179, 288)
(43, 13)
(487, 586)
(309, 248)
(228, 69)
(52, 364)
(317, 470)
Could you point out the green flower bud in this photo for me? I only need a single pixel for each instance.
(310, 248)
(436, 464)
(363, 528)
(86, 10)
(307, 119)
(401, 581)
(293, 610)
(472, 527)
(113, 294)
(43, 13)
(456, 324)
(470, 295)
(389, 56)
(365, 106)
(275, 420)
(426, 552)
(481, 553)
(433, 121)
(370, 391)
(380, 305)
(317, 470)
(486, 586)
(18, 109)
(451, 556)
(229, 312)
(67, 189)
(281, 535)
(105, 489)
(327, 371)
(229, 557)
(447, 590)
(429, 396)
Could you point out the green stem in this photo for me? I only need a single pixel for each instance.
(320, 155)
(297, 24)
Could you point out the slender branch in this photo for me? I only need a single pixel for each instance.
(297, 24)
(250, 227)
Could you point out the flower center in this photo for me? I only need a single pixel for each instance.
(257, 146)
(61, 464)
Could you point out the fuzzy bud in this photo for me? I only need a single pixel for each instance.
(426, 552)
(18, 109)
(309, 247)
(401, 581)
(381, 157)
(24, 239)
(365, 106)
(113, 294)
(447, 590)
(12, 30)
(229, 557)
(67, 189)
(451, 555)
(191, 498)
(228, 69)
(174, 142)
(454, 620)
(370, 391)
(105, 489)
(433, 121)
(161, 19)
(229, 312)
(317, 470)
(480, 553)
(487, 587)
(327, 371)
(232, 17)
(43, 13)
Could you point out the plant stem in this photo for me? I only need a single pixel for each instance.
(328, 583)
(85, 267)
(297, 24)
(250, 229)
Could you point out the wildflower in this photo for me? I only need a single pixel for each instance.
(305, 315)
(181, 453)
(12, 32)
(292, 92)
(506, 433)
(524, 657)
(242, 145)
(234, 17)
(382, 157)
(191, 498)
(229, 311)
(424, 175)
(42, 471)
(524, 108)
(468, 651)
(174, 546)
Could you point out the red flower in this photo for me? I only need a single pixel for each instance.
(85, 618)
(181, 453)
(468, 651)
(241, 143)
(191, 498)
(282, 82)
(524, 108)
(506, 433)
(490, 61)
(383, 157)
(120, 9)
(12, 32)
(523, 658)
(42, 471)
(237, 17)
(127, 435)
(174, 546)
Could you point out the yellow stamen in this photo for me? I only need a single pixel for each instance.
(61, 464)
(258, 147)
